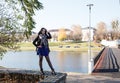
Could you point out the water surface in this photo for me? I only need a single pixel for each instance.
(62, 61)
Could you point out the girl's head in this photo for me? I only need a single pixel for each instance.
(42, 31)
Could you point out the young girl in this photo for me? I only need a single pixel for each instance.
(42, 48)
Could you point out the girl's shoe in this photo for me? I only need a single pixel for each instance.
(42, 73)
(53, 73)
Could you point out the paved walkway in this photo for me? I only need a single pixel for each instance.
(94, 78)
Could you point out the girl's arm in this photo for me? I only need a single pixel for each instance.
(35, 41)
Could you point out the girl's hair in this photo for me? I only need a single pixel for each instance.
(40, 32)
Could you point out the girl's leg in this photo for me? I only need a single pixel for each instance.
(40, 63)
(50, 64)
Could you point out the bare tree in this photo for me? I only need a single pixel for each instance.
(101, 31)
(101, 28)
(77, 32)
(116, 29)
(115, 25)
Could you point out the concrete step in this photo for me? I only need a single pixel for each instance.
(30, 76)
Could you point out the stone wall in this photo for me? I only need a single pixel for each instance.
(30, 76)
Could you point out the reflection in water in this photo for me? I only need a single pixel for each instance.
(72, 61)
(1, 56)
(62, 61)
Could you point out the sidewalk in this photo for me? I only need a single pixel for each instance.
(93, 78)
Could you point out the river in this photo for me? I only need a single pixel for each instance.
(62, 61)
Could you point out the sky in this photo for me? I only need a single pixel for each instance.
(65, 13)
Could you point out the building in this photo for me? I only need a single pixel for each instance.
(85, 33)
(54, 33)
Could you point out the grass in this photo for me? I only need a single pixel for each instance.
(65, 46)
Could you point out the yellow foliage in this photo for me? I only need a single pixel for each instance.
(62, 34)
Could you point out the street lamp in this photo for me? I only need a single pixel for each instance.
(89, 45)
(89, 42)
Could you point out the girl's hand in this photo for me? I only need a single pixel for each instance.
(39, 46)
(47, 33)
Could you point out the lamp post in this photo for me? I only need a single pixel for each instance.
(90, 62)
(89, 45)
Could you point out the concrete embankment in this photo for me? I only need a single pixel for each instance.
(8, 75)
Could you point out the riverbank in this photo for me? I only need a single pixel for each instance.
(62, 46)
(2, 67)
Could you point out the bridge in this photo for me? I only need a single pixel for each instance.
(107, 61)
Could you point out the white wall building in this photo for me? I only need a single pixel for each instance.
(85, 33)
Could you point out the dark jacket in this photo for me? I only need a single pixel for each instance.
(37, 40)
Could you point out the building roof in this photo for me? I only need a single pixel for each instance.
(56, 30)
(88, 28)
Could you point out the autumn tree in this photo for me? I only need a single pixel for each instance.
(16, 15)
(77, 32)
(62, 34)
